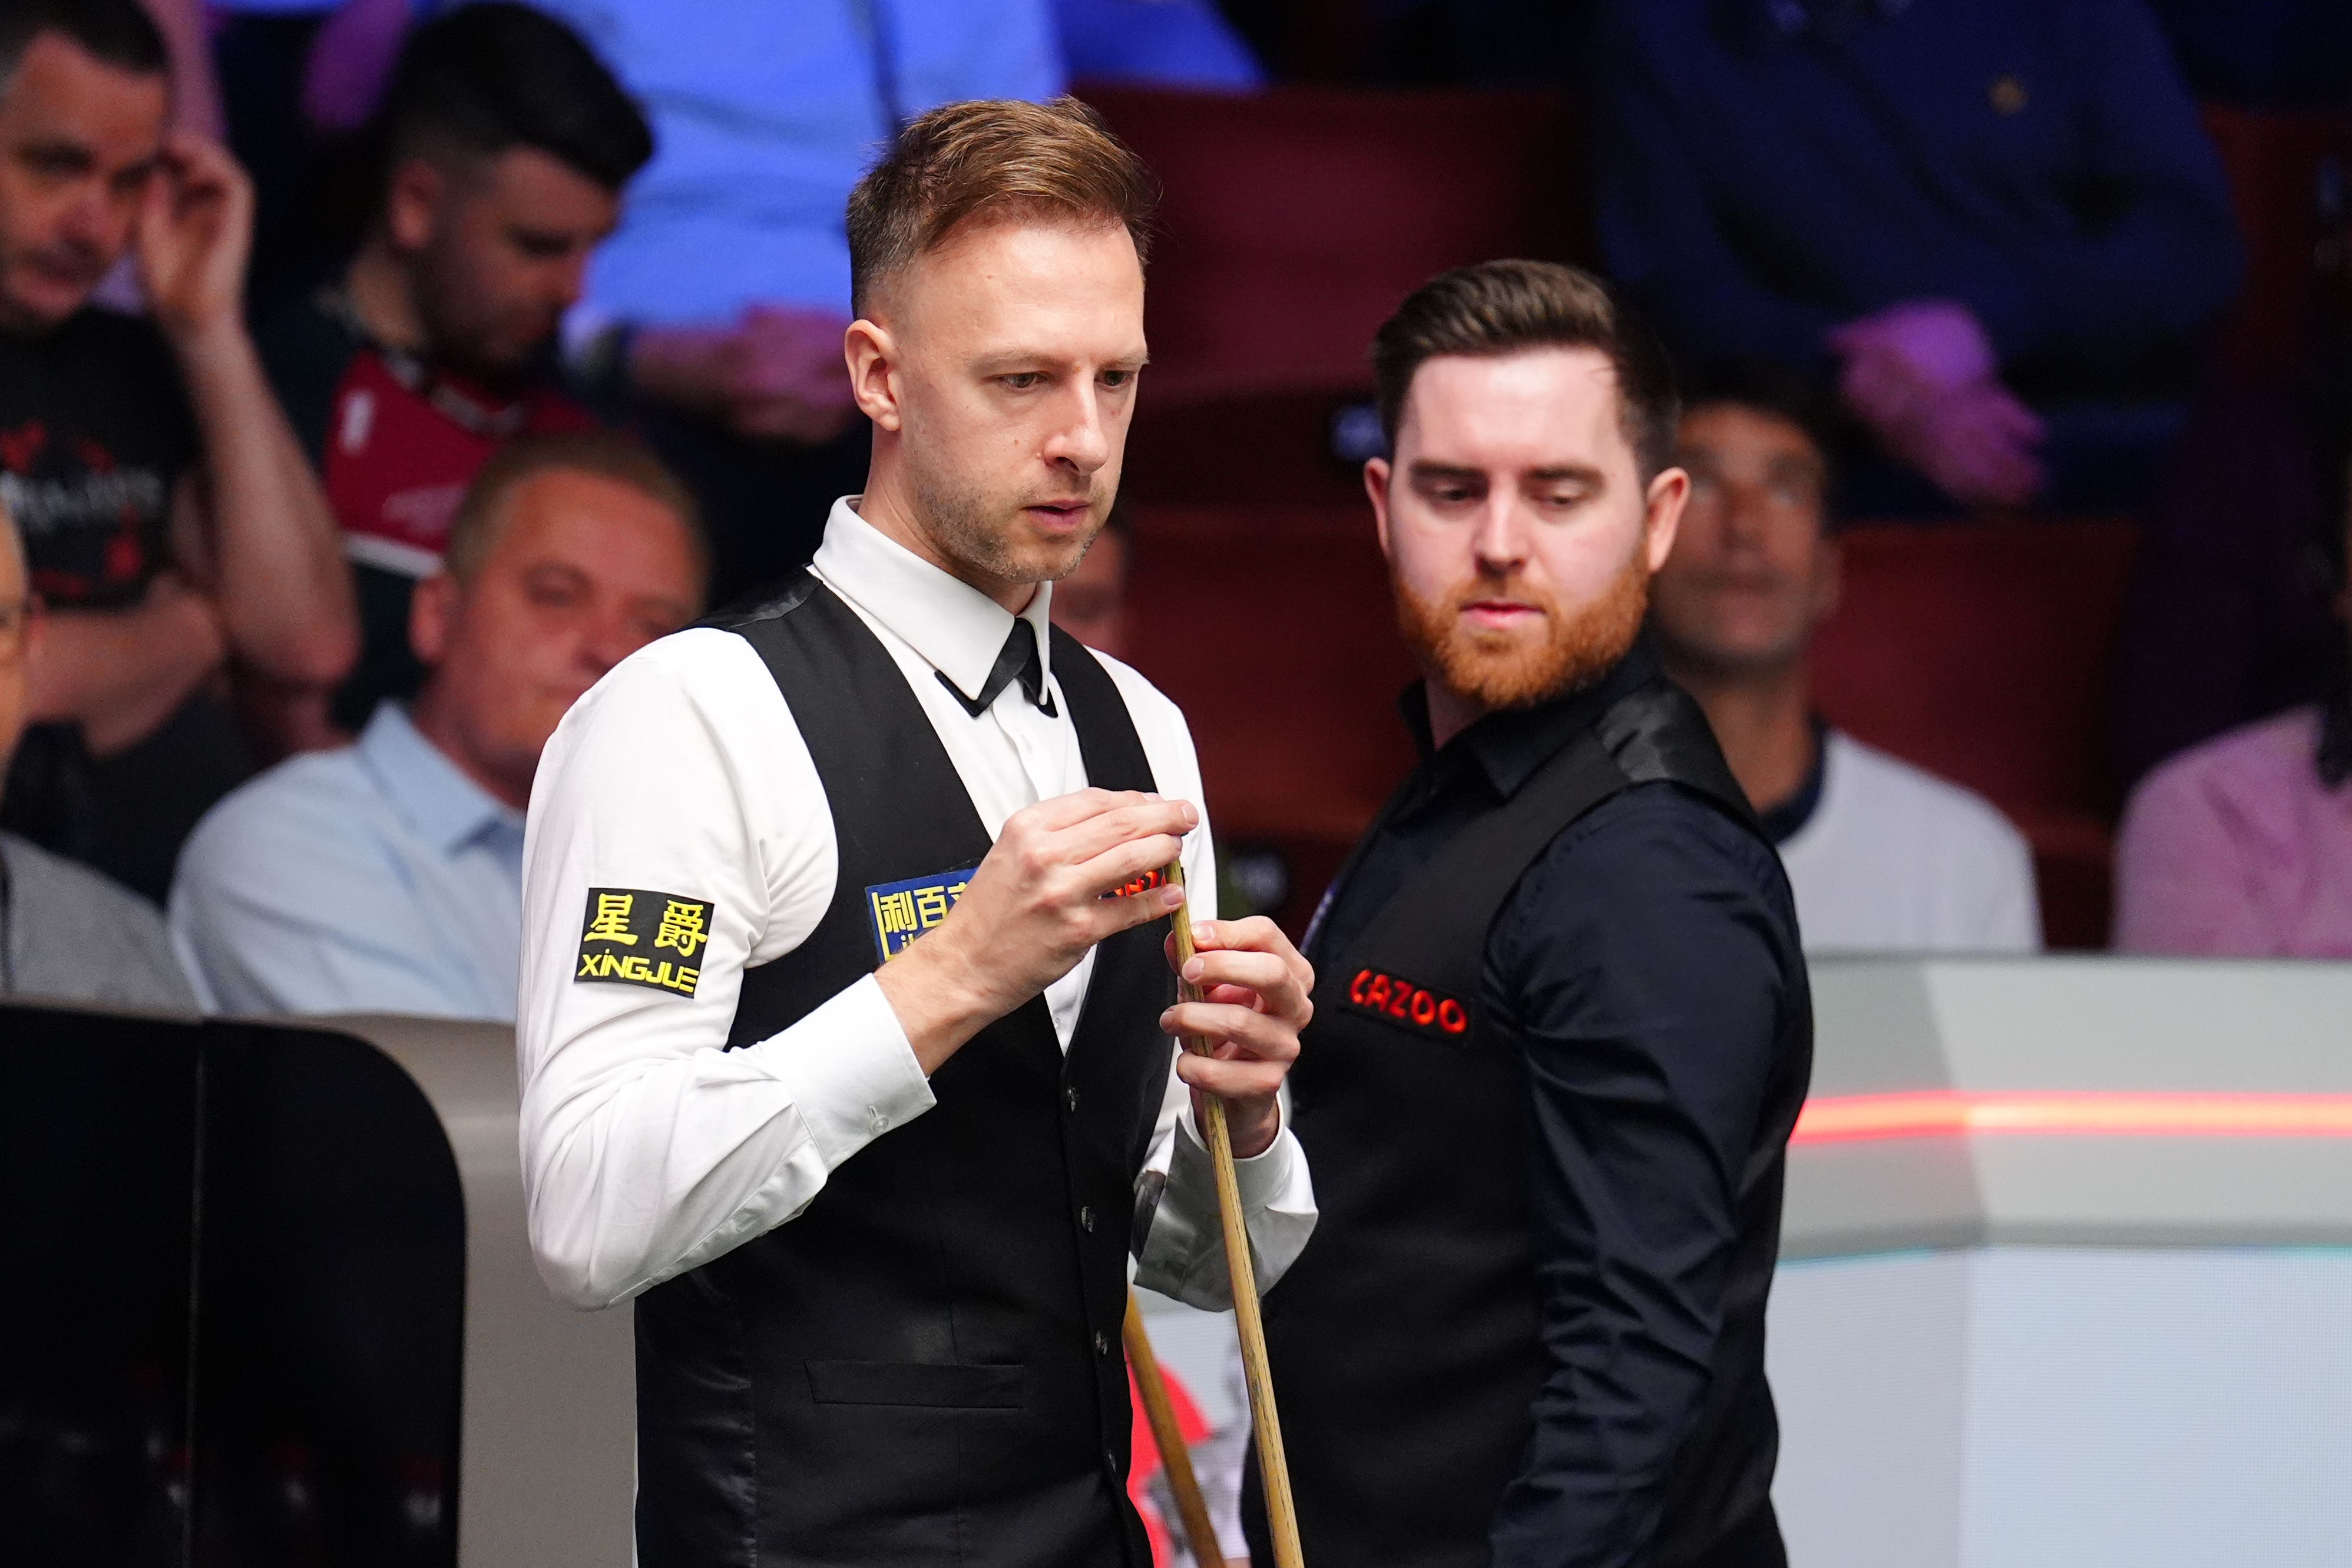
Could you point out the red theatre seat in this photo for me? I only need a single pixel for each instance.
(2272, 158)
(1984, 652)
(1293, 221)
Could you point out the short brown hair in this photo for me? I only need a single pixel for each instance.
(1499, 308)
(992, 158)
(481, 516)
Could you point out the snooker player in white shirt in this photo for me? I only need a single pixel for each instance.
(845, 1025)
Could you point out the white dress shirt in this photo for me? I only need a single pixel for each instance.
(647, 1149)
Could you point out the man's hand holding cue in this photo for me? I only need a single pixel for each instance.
(1040, 899)
(1253, 988)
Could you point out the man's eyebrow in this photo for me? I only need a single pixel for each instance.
(60, 150)
(1013, 362)
(1425, 469)
(1578, 473)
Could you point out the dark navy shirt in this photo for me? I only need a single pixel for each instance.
(1771, 168)
(1648, 967)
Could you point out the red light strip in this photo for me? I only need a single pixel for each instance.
(1945, 1114)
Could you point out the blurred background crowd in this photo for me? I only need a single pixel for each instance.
(374, 375)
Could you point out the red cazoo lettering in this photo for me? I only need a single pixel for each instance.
(1407, 1003)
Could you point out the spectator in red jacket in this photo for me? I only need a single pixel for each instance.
(507, 147)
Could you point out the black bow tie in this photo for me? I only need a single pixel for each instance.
(1019, 660)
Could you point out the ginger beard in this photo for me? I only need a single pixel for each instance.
(1495, 669)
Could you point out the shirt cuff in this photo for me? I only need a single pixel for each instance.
(1264, 1177)
(1183, 1253)
(853, 1073)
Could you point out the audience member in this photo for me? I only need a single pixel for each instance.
(1882, 855)
(171, 521)
(722, 301)
(507, 147)
(1090, 603)
(387, 877)
(2242, 848)
(67, 933)
(1998, 228)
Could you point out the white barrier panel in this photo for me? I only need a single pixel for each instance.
(2067, 1268)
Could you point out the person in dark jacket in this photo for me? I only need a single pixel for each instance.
(1998, 228)
(1529, 1327)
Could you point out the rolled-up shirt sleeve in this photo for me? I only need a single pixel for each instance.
(647, 1147)
(1652, 1011)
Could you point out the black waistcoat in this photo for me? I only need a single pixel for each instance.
(1404, 1341)
(925, 1366)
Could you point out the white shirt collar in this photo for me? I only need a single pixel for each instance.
(958, 629)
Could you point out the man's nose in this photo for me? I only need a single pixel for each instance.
(568, 280)
(1747, 515)
(96, 223)
(1083, 441)
(1501, 539)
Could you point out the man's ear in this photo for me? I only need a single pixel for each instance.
(1663, 513)
(872, 356)
(433, 617)
(1377, 473)
(412, 203)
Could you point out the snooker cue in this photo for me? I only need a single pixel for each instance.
(1174, 1457)
(1281, 1518)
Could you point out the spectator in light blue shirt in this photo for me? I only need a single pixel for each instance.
(764, 116)
(715, 314)
(387, 877)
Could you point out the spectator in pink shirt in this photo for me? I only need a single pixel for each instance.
(2243, 846)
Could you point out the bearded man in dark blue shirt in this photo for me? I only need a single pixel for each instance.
(1562, 1030)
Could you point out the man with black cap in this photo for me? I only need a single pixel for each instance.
(846, 1011)
(1562, 1030)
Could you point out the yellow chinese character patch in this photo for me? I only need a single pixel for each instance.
(901, 912)
(625, 928)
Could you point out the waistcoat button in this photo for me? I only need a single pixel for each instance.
(1086, 1218)
(1070, 1097)
(1102, 1343)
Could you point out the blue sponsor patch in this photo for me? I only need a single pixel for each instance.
(901, 912)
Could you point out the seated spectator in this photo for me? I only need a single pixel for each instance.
(714, 319)
(67, 933)
(1882, 855)
(1999, 229)
(2243, 846)
(172, 525)
(387, 877)
(507, 147)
